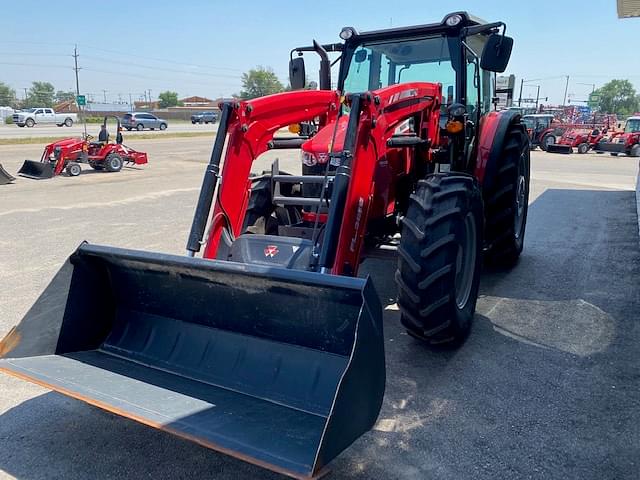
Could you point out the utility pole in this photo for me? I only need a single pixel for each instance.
(566, 88)
(25, 94)
(77, 69)
(130, 104)
(520, 99)
(104, 96)
(537, 98)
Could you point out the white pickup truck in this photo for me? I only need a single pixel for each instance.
(43, 115)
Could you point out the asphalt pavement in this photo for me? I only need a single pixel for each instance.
(46, 130)
(546, 387)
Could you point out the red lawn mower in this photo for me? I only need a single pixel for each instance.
(68, 155)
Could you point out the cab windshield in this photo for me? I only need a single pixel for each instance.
(632, 126)
(380, 64)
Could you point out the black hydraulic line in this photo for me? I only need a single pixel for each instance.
(341, 183)
(209, 183)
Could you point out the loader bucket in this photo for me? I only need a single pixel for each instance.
(36, 170)
(558, 148)
(280, 368)
(5, 177)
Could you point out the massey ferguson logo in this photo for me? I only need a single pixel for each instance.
(271, 251)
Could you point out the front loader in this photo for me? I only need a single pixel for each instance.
(270, 348)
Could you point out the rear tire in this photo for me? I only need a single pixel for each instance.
(68, 122)
(139, 127)
(113, 162)
(73, 169)
(548, 139)
(507, 201)
(583, 148)
(440, 257)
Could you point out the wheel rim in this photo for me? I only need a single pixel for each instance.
(521, 198)
(466, 261)
(548, 141)
(115, 163)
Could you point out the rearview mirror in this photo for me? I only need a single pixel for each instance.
(297, 76)
(496, 53)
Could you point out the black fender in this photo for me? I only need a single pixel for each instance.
(491, 148)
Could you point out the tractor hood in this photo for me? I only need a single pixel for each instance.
(315, 149)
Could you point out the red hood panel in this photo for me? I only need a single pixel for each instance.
(321, 141)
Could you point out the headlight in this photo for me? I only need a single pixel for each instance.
(453, 20)
(347, 32)
(308, 158)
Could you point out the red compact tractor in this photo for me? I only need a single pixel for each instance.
(627, 142)
(270, 348)
(582, 139)
(68, 154)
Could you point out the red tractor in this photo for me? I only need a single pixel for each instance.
(270, 347)
(68, 155)
(582, 139)
(627, 142)
(542, 129)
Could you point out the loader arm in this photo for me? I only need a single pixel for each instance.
(382, 111)
(251, 128)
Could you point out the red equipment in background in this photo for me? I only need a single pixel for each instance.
(582, 138)
(627, 141)
(69, 153)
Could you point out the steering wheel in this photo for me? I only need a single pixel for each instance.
(88, 137)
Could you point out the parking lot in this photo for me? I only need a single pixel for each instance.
(547, 385)
(13, 131)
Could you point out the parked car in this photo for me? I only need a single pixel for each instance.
(142, 121)
(204, 117)
(33, 116)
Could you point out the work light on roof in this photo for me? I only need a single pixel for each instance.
(453, 20)
(346, 33)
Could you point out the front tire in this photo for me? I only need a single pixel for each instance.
(507, 200)
(583, 148)
(29, 123)
(113, 162)
(163, 126)
(635, 150)
(547, 140)
(73, 169)
(440, 257)
(139, 127)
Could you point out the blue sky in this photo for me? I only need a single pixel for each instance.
(202, 47)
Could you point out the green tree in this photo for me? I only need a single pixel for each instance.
(168, 99)
(259, 82)
(7, 95)
(41, 94)
(618, 96)
(62, 96)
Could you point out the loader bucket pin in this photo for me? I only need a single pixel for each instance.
(277, 367)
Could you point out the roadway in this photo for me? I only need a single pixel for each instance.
(13, 131)
(546, 386)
